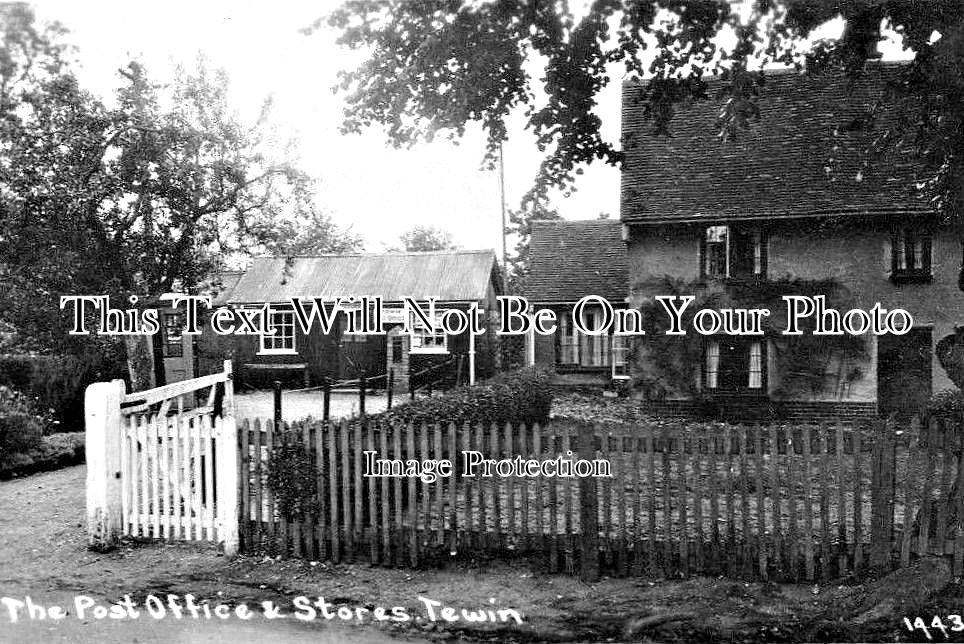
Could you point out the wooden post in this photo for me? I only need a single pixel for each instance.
(326, 388)
(391, 386)
(471, 358)
(103, 436)
(228, 471)
(882, 491)
(277, 403)
(588, 511)
(362, 385)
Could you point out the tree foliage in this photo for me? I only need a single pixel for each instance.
(420, 239)
(138, 197)
(520, 226)
(435, 67)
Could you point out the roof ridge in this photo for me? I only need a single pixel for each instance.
(787, 71)
(480, 251)
(564, 222)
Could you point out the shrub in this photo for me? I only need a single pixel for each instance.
(946, 404)
(523, 396)
(20, 428)
(292, 479)
(55, 384)
(55, 451)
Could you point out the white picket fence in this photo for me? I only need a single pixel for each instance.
(161, 467)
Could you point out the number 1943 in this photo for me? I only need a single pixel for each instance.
(937, 624)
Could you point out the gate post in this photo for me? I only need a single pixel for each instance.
(229, 469)
(102, 429)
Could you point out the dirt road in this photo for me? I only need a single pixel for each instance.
(43, 556)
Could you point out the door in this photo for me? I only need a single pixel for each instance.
(904, 372)
(177, 349)
(360, 353)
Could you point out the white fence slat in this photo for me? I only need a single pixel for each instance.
(175, 476)
(208, 468)
(142, 446)
(196, 480)
(135, 505)
(165, 447)
(125, 477)
(153, 454)
(186, 489)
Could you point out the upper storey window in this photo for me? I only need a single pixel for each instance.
(910, 256)
(728, 251)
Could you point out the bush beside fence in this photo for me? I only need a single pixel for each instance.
(790, 503)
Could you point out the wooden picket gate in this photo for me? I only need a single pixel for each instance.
(162, 463)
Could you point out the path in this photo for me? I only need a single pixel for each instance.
(43, 555)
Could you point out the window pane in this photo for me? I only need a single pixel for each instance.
(715, 264)
(712, 364)
(756, 366)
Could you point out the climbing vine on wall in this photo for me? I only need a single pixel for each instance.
(669, 364)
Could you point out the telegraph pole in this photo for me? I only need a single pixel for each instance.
(505, 253)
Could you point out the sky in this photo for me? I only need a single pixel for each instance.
(365, 184)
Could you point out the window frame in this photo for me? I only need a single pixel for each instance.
(272, 350)
(420, 333)
(619, 357)
(916, 274)
(759, 257)
(747, 341)
(167, 339)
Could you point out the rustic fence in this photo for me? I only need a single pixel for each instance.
(804, 502)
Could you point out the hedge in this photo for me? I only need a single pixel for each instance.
(52, 452)
(523, 396)
(20, 428)
(55, 384)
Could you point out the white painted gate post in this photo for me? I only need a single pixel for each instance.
(102, 422)
(228, 468)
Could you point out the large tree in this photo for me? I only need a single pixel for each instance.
(139, 197)
(434, 67)
(420, 239)
(520, 226)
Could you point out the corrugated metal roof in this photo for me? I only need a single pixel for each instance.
(450, 276)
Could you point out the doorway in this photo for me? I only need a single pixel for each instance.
(904, 372)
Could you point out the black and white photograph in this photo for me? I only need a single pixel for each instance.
(482, 321)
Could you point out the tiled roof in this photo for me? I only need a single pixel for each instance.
(450, 276)
(572, 259)
(777, 167)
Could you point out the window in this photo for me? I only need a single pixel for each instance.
(594, 349)
(173, 345)
(734, 364)
(620, 357)
(283, 339)
(428, 341)
(727, 252)
(575, 350)
(910, 256)
(568, 343)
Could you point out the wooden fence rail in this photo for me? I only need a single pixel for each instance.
(766, 502)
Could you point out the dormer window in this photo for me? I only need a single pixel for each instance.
(732, 252)
(910, 256)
